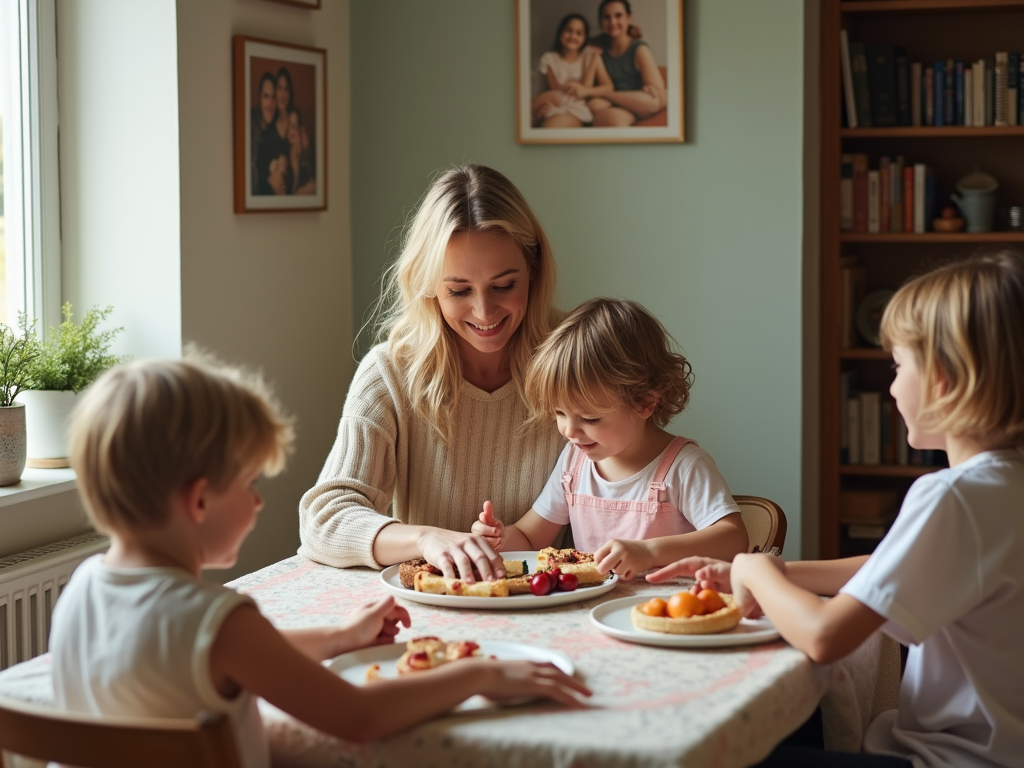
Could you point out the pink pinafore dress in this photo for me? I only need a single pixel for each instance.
(595, 521)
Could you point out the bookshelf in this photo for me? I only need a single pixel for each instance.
(930, 31)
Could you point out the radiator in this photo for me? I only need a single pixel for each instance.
(30, 583)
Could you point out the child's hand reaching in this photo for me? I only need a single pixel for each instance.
(489, 528)
(626, 558)
(504, 680)
(375, 623)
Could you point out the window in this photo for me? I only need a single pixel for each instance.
(29, 181)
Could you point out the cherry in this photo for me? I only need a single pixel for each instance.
(540, 584)
(568, 582)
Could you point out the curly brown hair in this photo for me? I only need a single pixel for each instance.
(606, 352)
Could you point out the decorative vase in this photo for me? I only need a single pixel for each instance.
(12, 443)
(47, 413)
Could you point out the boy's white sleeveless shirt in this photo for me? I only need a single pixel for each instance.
(136, 642)
(949, 579)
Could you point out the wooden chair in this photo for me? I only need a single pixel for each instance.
(88, 741)
(765, 522)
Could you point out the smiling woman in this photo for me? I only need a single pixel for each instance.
(432, 426)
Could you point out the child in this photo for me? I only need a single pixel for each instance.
(948, 579)
(167, 454)
(635, 495)
(571, 69)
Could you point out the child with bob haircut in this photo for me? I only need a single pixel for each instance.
(634, 495)
(167, 455)
(948, 579)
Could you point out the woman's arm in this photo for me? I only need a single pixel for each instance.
(652, 98)
(302, 687)
(721, 540)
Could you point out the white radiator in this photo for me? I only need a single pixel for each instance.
(30, 583)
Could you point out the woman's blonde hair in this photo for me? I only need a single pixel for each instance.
(470, 198)
(605, 352)
(145, 430)
(964, 324)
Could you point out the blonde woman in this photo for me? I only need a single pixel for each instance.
(431, 427)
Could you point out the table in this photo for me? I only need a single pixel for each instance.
(651, 706)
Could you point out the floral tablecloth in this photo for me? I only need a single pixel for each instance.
(651, 706)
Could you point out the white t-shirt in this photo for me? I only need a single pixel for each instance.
(694, 486)
(949, 579)
(565, 71)
(136, 642)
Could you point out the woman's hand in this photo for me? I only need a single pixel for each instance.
(456, 554)
(489, 528)
(626, 558)
(374, 623)
(505, 680)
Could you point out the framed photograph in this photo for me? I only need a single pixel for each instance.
(589, 71)
(280, 126)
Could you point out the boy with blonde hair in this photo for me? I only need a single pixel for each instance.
(167, 455)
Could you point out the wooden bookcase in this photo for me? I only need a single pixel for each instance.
(930, 30)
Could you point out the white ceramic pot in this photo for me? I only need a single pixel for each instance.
(47, 413)
(12, 443)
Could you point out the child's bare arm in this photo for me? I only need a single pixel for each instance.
(722, 540)
(308, 691)
(824, 630)
(596, 81)
(824, 577)
(375, 623)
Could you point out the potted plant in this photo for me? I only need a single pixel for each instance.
(17, 354)
(70, 358)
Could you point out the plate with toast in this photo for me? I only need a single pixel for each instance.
(615, 618)
(421, 582)
(384, 662)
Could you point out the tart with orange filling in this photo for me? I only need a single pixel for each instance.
(688, 614)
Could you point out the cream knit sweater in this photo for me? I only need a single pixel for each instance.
(386, 455)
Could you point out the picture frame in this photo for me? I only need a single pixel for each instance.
(641, 93)
(280, 161)
(312, 4)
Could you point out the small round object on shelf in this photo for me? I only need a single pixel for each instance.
(948, 225)
(869, 315)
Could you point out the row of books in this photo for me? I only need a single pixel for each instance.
(894, 197)
(872, 432)
(883, 88)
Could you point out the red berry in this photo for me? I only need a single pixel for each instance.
(540, 584)
(568, 582)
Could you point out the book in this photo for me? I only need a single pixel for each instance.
(888, 433)
(853, 415)
(896, 195)
(1013, 89)
(1020, 101)
(851, 293)
(861, 92)
(874, 201)
(882, 85)
(958, 93)
(931, 197)
(948, 97)
(846, 193)
(990, 93)
(908, 198)
(978, 86)
(919, 181)
(903, 116)
(928, 91)
(884, 194)
(1001, 75)
(915, 93)
(939, 89)
(902, 445)
(850, 98)
(860, 192)
(847, 385)
(968, 97)
(870, 426)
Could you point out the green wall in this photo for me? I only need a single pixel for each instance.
(706, 234)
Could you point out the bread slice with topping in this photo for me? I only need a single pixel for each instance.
(571, 561)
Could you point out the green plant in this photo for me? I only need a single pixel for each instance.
(72, 356)
(18, 355)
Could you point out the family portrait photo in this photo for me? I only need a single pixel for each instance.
(599, 71)
(280, 135)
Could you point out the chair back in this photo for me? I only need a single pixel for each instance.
(91, 741)
(765, 522)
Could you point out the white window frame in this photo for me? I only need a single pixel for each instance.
(32, 209)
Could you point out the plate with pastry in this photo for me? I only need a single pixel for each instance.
(532, 580)
(383, 662)
(681, 620)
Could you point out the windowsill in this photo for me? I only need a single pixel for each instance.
(37, 483)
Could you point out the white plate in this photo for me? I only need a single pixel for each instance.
(390, 578)
(612, 618)
(352, 666)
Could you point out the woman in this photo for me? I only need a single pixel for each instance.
(431, 427)
(639, 87)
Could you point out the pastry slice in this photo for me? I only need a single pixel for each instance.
(571, 561)
(439, 585)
